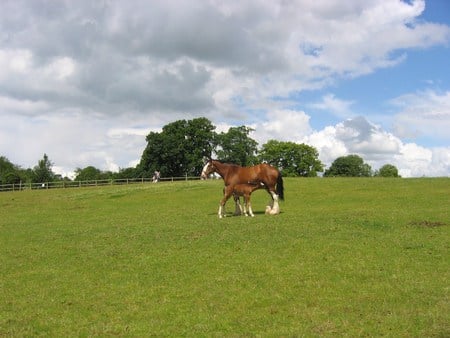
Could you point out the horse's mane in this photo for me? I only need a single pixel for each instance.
(228, 163)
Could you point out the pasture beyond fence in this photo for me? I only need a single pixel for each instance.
(89, 183)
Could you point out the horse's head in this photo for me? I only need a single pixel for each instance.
(207, 169)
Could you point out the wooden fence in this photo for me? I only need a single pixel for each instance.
(91, 183)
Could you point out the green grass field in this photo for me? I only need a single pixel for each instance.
(346, 257)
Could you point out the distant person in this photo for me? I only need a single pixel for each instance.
(156, 176)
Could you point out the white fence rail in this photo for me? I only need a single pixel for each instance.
(91, 183)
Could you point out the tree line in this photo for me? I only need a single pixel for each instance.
(180, 150)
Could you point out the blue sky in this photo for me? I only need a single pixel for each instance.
(85, 82)
(370, 95)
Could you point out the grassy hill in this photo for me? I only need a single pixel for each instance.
(355, 257)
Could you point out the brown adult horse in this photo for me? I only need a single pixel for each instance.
(233, 174)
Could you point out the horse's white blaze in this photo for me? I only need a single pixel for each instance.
(205, 168)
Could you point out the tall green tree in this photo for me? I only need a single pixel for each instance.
(9, 173)
(89, 173)
(237, 146)
(350, 166)
(43, 171)
(387, 170)
(291, 158)
(126, 173)
(200, 142)
(179, 149)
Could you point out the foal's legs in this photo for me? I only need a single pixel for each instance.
(237, 205)
(227, 192)
(248, 205)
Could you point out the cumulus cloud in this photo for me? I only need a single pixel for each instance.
(112, 70)
(338, 107)
(423, 113)
(378, 147)
(282, 125)
(166, 55)
(358, 136)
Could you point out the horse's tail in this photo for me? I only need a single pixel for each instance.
(280, 187)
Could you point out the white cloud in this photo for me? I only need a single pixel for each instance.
(331, 104)
(414, 160)
(16, 60)
(84, 81)
(199, 56)
(72, 140)
(125, 132)
(378, 147)
(358, 136)
(283, 125)
(365, 35)
(423, 113)
(328, 145)
(61, 68)
(440, 162)
(25, 107)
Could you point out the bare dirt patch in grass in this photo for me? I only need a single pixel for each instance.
(428, 224)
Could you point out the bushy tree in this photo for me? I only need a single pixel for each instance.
(350, 166)
(89, 173)
(9, 173)
(291, 158)
(237, 146)
(43, 171)
(387, 170)
(127, 173)
(179, 149)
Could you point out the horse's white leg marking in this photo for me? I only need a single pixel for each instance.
(276, 207)
(220, 211)
(250, 209)
(245, 206)
(270, 205)
(237, 207)
(248, 205)
(274, 212)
